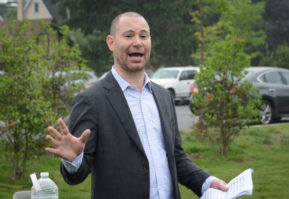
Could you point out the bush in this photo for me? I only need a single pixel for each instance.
(224, 100)
(28, 98)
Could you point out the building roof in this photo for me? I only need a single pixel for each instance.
(54, 8)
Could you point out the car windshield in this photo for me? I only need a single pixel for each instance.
(164, 74)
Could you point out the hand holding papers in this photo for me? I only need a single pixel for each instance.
(240, 185)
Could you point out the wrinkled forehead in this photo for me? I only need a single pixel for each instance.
(132, 23)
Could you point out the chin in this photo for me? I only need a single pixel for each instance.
(135, 68)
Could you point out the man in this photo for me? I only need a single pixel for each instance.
(125, 129)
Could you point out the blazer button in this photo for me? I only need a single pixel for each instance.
(145, 166)
(146, 195)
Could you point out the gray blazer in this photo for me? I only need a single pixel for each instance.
(114, 154)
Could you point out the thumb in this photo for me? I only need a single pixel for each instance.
(84, 135)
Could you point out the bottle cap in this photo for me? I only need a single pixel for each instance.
(44, 174)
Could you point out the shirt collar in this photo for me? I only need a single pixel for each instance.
(124, 84)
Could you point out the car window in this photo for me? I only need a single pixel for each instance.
(272, 77)
(188, 75)
(286, 77)
(163, 74)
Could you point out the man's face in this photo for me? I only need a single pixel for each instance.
(131, 44)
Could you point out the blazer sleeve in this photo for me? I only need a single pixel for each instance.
(82, 117)
(189, 174)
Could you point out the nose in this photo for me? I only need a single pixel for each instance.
(137, 41)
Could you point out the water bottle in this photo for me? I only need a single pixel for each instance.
(48, 189)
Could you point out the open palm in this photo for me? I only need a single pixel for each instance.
(65, 144)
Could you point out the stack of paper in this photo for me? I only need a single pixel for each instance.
(240, 185)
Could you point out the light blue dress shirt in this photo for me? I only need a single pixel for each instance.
(146, 118)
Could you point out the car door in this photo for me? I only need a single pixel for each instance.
(285, 76)
(187, 77)
(277, 89)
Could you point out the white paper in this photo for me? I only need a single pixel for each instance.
(240, 185)
(35, 181)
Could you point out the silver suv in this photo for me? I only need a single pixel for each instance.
(176, 79)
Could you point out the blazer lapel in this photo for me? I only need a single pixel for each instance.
(117, 100)
(164, 115)
(168, 133)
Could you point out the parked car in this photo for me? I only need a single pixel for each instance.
(149, 72)
(176, 80)
(76, 78)
(273, 83)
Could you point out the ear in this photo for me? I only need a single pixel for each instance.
(110, 42)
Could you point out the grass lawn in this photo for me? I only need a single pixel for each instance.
(265, 149)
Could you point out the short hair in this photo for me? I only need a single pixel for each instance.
(114, 23)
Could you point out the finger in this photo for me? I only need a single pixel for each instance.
(63, 127)
(51, 150)
(84, 135)
(55, 133)
(51, 140)
(223, 186)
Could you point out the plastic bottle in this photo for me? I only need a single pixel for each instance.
(49, 189)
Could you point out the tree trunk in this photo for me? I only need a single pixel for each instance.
(202, 42)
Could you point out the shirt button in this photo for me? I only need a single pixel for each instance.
(146, 195)
(145, 166)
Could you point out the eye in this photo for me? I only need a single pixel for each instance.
(144, 36)
(128, 36)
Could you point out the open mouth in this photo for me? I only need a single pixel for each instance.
(136, 57)
(135, 54)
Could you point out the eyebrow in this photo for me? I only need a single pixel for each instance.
(132, 31)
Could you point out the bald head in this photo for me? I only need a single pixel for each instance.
(115, 21)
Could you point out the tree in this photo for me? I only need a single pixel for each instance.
(277, 17)
(224, 101)
(23, 109)
(60, 56)
(94, 49)
(240, 16)
(278, 58)
(10, 14)
(28, 97)
(170, 24)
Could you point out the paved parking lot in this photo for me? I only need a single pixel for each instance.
(186, 119)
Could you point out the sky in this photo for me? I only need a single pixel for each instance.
(3, 1)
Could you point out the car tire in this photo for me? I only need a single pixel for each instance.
(192, 107)
(266, 112)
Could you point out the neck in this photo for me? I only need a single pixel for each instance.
(136, 78)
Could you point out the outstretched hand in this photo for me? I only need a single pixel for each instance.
(64, 144)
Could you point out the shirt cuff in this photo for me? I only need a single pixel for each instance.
(207, 184)
(73, 166)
